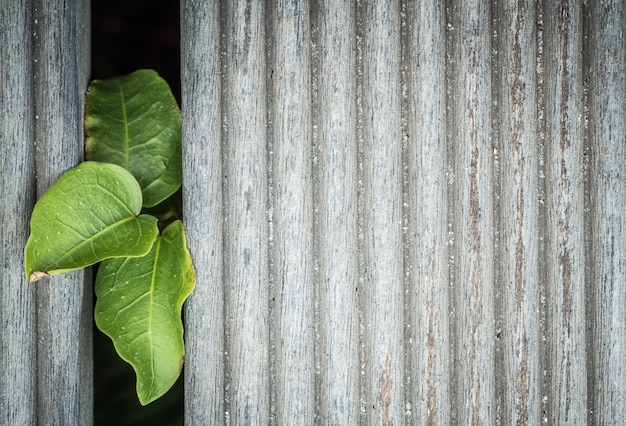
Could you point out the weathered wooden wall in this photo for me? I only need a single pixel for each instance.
(405, 211)
(45, 328)
(399, 212)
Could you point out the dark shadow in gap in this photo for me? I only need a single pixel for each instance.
(131, 34)
(128, 35)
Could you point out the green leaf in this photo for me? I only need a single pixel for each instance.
(134, 121)
(89, 214)
(138, 306)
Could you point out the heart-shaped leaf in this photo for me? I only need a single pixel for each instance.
(87, 215)
(134, 121)
(138, 306)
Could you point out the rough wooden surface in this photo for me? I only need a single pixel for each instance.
(45, 350)
(426, 251)
(516, 159)
(245, 192)
(64, 303)
(18, 381)
(472, 203)
(381, 215)
(564, 231)
(291, 212)
(405, 212)
(606, 257)
(202, 202)
(336, 214)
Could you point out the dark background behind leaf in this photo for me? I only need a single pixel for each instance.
(131, 34)
(128, 35)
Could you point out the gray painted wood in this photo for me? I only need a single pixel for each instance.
(64, 303)
(18, 382)
(405, 212)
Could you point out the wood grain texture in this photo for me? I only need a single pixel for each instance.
(64, 303)
(563, 82)
(291, 213)
(405, 212)
(336, 222)
(427, 248)
(18, 382)
(381, 191)
(246, 272)
(473, 266)
(203, 207)
(517, 252)
(607, 260)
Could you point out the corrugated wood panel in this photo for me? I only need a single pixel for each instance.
(46, 327)
(431, 201)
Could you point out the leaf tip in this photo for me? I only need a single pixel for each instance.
(36, 276)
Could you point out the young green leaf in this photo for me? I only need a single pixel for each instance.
(138, 306)
(89, 214)
(134, 121)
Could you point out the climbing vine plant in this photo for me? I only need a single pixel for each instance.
(120, 208)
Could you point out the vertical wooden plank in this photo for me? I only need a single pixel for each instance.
(202, 201)
(427, 239)
(291, 208)
(246, 227)
(518, 253)
(473, 212)
(565, 201)
(17, 185)
(335, 197)
(607, 112)
(381, 156)
(63, 324)
(495, 237)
